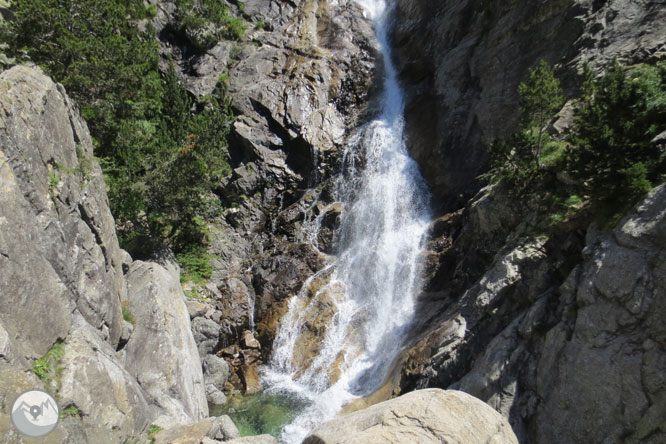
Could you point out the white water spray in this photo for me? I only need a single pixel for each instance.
(374, 277)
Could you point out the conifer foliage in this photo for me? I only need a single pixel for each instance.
(161, 159)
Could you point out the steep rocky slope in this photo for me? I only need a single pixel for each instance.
(461, 63)
(65, 281)
(299, 86)
(567, 356)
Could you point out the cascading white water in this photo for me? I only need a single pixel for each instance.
(374, 277)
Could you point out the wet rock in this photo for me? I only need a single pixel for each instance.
(250, 379)
(249, 340)
(423, 416)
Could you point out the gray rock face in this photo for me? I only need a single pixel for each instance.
(608, 367)
(572, 359)
(321, 55)
(62, 281)
(96, 383)
(162, 336)
(58, 248)
(423, 416)
(461, 63)
(206, 335)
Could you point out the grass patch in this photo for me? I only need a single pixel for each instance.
(46, 367)
(152, 431)
(69, 411)
(553, 153)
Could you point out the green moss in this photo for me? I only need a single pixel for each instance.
(54, 180)
(152, 431)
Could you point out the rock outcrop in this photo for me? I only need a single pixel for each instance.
(560, 335)
(300, 84)
(423, 416)
(66, 286)
(461, 63)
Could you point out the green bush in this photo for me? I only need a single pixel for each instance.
(161, 159)
(69, 411)
(127, 314)
(195, 264)
(46, 367)
(518, 159)
(209, 20)
(617, 117)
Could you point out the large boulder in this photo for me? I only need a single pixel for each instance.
(161, 352)
(95, 382)
(424, 416)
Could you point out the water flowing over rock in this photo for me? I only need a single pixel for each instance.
(430, 416)
(343, 330)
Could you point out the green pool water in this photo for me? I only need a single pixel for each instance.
(260, 413)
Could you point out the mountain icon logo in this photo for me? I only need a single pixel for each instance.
(35, 413)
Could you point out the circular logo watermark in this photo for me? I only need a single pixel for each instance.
(35, 413)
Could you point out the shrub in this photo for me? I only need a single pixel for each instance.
(45, 368)
(610, 148)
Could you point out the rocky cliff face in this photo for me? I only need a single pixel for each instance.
(299, 86)
(461, 63)
(561, 334)
(65, 281)
(550, 329)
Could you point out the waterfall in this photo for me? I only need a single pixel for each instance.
(371, 284)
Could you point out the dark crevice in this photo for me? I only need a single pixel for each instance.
(98, 238)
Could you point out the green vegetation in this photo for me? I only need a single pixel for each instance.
(617, 117)
(46, 367)
(519, 159)
(152, 431)
(607, 153)
(54, 180)
(205, 22)
(162, 154)
(195, 264)
(127, 314)
(69, 411)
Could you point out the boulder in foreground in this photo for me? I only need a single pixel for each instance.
(423, 416)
